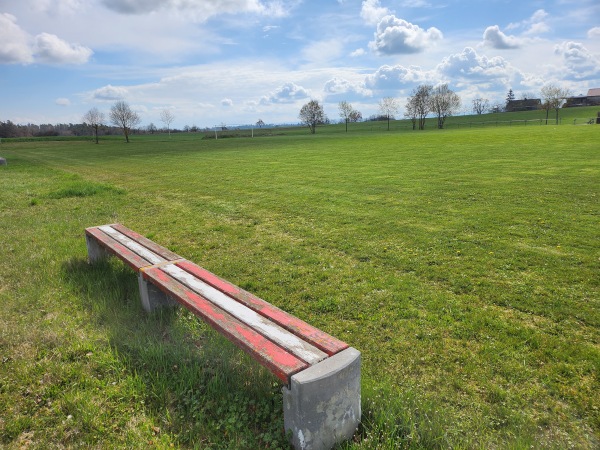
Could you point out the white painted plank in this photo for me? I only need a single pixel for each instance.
(132, 245)
(291, 342)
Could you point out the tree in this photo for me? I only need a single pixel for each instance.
(167, 117)
(348, 113)
(509, 97)
(480, 105)
(388, 106)
(122, 116)
(410, 112)
(420, 103)
(312, 114)
(553, 98)
(260, 123)
(94, 118)
(444, 102)
(151, 128)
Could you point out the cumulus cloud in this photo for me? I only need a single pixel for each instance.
(396, 77)
(534, 25)
(594, 33)
(199, 9)
(397, 36)
(495, 38)
(580, 63)
(288, 93)
(472, 67)
(62, 101)
(19, 47)
(15, 47)
(340, 87)
(372, 12)
(110, 93)
(227, 102)
(49, 48)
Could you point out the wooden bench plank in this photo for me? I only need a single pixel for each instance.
(132, 245)
(264, 326)
(165, 253)
(131, 258)
(316, 337)
(281, 362)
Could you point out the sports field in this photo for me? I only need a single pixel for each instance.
(464, 264)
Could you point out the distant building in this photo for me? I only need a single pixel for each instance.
(591, 99)
(527, 104)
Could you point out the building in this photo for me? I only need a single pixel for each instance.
(527, 104)
(591, 99)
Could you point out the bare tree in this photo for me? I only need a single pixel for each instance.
(444, 103)
(420, 102)
(388, 107)
(480, 105)
(122, 116)
(260, 123)
(411, 113)
(312, 114)
(94, 118)
(553, 98)
(348, 113)
(167, 117)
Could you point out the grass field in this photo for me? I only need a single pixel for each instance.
(464, 264)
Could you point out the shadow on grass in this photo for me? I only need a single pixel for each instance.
(197, 387)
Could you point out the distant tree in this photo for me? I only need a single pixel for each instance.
(348, 113)
(122, 116)
(410, 112)
(421, 103)
(151, 128)
(260, 123)
(444, 102)
(95, 119)
(480, 105)
(167, 117)
(509, 97)
(312, 114)
(553, 98)
(388, 107)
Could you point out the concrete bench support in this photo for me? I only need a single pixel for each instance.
(153, 298)
(322, 405)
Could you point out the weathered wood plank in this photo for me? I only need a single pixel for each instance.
(128, 256)
(263, 325)
(152, 246)
(278, 360)
(316, 337)
(132, 245)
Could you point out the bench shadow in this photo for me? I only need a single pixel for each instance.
(194, 379)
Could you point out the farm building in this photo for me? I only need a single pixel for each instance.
(591, 99)
(523, 105)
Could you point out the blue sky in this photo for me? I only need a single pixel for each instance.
(237, 61)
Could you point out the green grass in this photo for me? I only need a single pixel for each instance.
(462, 263)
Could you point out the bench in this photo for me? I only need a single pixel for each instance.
(321, 374)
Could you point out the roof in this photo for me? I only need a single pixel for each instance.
(594, 92)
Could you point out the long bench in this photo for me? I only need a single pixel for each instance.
(321, 374)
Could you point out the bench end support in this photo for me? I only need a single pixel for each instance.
(95, 251)
(153, 298)
(322, 405)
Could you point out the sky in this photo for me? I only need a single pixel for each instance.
(233, 62)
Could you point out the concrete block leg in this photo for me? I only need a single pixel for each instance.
(322, 405)
(152, 297)
(95, 251)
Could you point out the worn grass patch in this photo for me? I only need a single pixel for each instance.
(463, 264)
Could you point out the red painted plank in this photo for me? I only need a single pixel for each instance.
(131, 258)
(280, 362)
(314, 336)
(154, 247)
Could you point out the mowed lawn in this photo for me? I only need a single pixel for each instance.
(463, 264)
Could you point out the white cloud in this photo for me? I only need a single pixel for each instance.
(63, 101)
(469, 67)
(396, 77)
(371, 12)
(199, 10)
(495, 38)
(49, 48)
(594, 33)
(226, 102)
(358, 52)
(287, 93)
(343, 89)
(580, 63)
(534, 25)
(15, 47)
(397, 36)
(110, 93)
